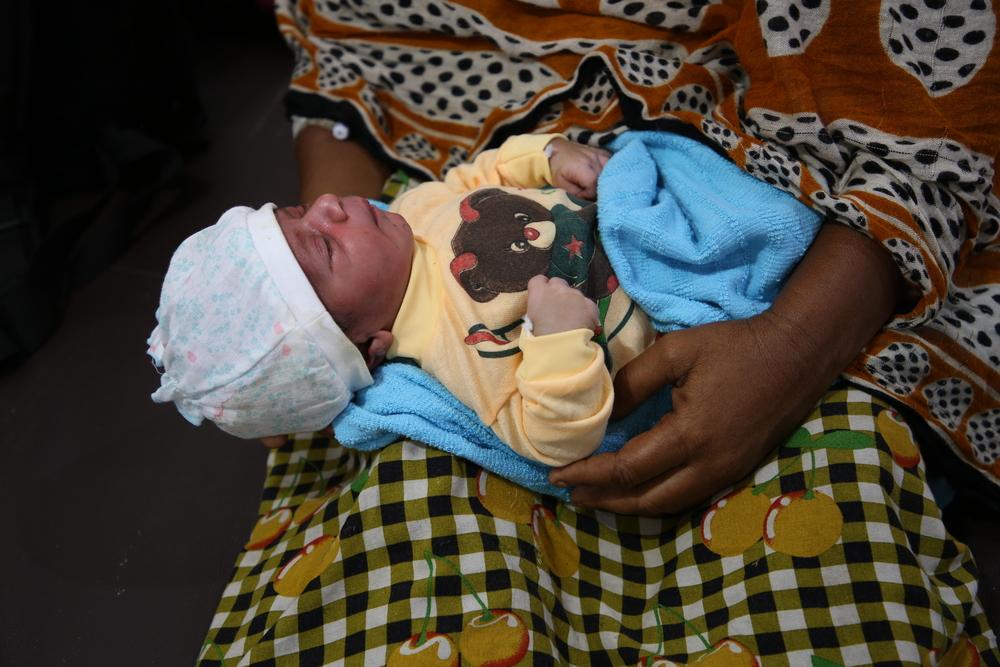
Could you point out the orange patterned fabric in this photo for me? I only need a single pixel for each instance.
(881, 115)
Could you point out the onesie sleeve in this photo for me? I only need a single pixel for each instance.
(520, 162)
(563, 401)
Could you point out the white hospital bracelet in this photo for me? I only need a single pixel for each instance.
(338, 130)
(527, 324)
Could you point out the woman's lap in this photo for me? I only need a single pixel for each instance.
(843, 555)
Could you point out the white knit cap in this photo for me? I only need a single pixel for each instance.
(243, 338)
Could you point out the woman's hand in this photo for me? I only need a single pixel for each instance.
(741, 387)
(554, 306)
(274, 441)
(575, 167)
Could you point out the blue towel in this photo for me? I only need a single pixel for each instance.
(709, 242)
(692, 238)
(406, 401)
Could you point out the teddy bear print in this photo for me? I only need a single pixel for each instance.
(505, 239)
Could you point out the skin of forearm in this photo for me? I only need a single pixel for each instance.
(329, 165)
(842, 292)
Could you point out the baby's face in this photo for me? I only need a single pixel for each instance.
(356, 257)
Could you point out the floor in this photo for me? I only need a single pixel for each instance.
(126, 520)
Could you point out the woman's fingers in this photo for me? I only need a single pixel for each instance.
(273, 441)
(655, 473)
(642, 458)
(668, 493)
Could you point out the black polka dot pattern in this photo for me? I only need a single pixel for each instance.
(691, 98)
(720, 134)
(720, 58)
(373, 106)
(770, 165)
(356, 14)
(910, 262)
(587, 136)
(416, 147)
(983, 433)
(456, 156)
(303, 61)
(940, 161)
(788, 27)
(989, 230)
(553, 113)
(943, 45)
(843, 207)
(338, 67)
(899, 368)
(806, 133)
(677, 16)
(948, 400)
(936, 212)
(596, 94)
(652, 67)
(750, 126)
(446, 85)
(971, 315)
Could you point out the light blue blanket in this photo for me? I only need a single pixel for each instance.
(693, 240)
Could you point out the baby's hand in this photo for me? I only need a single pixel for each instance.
(554, 306)
(575, 167)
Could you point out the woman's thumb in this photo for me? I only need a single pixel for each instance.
(658, 365)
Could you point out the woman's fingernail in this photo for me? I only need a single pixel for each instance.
(561, 484)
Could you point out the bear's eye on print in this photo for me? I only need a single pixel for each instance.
(522, 217)
(519, 246)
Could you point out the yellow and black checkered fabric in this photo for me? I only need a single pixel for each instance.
(833, 552)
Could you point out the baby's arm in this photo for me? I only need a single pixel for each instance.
(520, 162)
(564, 398)
(524, 161)
(533, 161)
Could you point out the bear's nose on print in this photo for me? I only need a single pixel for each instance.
(530, 233)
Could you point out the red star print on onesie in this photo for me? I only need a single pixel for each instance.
(574, 247)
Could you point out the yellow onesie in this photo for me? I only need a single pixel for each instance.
(480, 235)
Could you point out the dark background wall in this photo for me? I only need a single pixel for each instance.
(123, 520)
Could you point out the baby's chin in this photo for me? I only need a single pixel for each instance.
(397, 218)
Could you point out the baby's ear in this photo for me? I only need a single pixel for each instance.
(375, 348)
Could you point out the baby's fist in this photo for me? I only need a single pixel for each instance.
(554, 307)
(575, 167)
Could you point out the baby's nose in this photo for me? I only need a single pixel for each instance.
(327, 201)
(325, 210)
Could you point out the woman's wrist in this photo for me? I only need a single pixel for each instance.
(838, 297)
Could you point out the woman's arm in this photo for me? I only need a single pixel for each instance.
(741, 387)
(329, 165)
